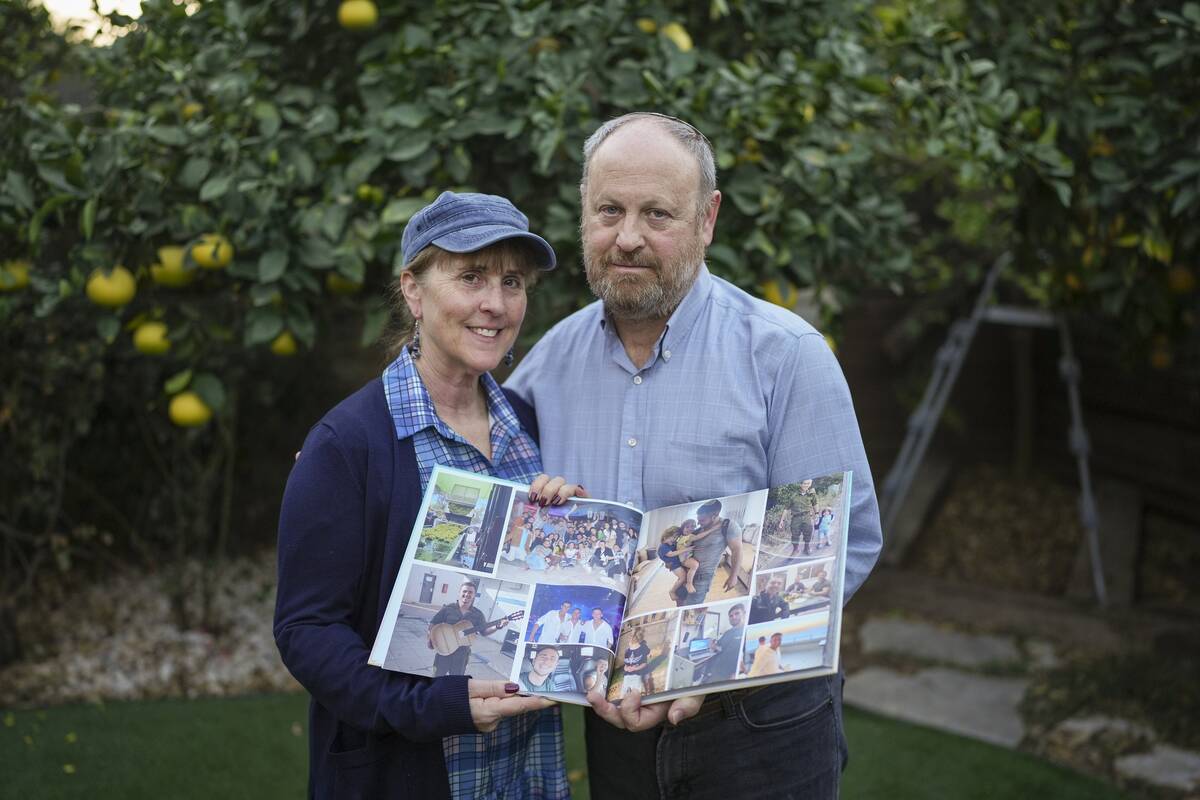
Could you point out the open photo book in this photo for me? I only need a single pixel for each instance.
(710, 595)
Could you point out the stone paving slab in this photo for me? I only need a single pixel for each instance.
(967, 704)
(932, 643)
(1163, 766)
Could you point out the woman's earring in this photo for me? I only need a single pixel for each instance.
(414, 347)
(508, 358)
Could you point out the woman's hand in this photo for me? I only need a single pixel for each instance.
(547, 491)
(491, 701)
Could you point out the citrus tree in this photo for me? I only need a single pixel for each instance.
(225, 179)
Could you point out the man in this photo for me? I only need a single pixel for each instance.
(769, 603)
(724, 665)
(453, 613)
(549, 626)
(713, 536)
(821, 586)
(597, 631)
(537, 677)
(694, 390)
(804, 509)
(572, 628)
(766, 659)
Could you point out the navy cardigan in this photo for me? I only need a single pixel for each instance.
(348, 512)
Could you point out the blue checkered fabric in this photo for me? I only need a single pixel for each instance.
(523, 757)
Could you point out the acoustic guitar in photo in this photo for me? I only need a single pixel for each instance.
(447, 637)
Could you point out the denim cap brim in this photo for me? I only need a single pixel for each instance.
(468, 240)
(466, 222)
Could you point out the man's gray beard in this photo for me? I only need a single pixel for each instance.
(626, 297)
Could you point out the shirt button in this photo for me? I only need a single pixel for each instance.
(666, 355)
(632, 442)
(637, 380)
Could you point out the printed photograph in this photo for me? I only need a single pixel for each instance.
(708, 647)
(643, 655)
(795, 643)
(583, 542)
(698, 553)
(791, 590)
(554, 668)
(803, 522)
(574, 615)
(454, 623)
(464, 522)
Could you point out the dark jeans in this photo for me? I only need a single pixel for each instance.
(781, 741)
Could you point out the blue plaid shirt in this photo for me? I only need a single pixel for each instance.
(523, 757)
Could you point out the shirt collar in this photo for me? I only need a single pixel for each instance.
(680, 323)
(412, 408)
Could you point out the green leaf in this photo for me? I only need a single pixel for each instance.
(178, 382)
(361, 168)
(413, 145)
(35, 224)
(374, 321)
(271, 265)
(87, 220)
(210, 389)
(195, 169)
(108, 327)
(300, 323)
(981, 66)
(401, 210)
(262, 325)
(268, 118)
(215, 187)
(168, 134)
(409, 115)
(18, 189)
(813, 157)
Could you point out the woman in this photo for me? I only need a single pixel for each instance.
(350, 507)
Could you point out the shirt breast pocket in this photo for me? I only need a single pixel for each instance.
(691, 470)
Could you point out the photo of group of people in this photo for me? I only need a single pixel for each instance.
(574, 615)
(585, 542)
(698, 553)
(802, 522)
(790, 590)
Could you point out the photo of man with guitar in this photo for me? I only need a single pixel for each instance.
(454, 628)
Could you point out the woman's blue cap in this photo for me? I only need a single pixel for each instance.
(464, 223)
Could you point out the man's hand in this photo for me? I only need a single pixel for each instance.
(730, 582)
(631, 715)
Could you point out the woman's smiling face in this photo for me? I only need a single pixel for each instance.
(470, 306)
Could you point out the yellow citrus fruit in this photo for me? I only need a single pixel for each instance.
(355, 15)
(679, 35)
(336, 284)
(169, 271)
(151, 338)
(1181, 280)
(784, 294)
(647, 25)
(192, 109)
(112, 290)
(284, 344)
(365, 192)
(187, 410)
(14, 275)
(213, 251)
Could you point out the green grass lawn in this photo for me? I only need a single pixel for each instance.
(254, 747)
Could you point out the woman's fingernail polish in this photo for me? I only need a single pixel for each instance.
(533, 497)
(511, 688)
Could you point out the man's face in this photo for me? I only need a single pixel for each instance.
(705, 518)
(545, 661)
(644, 229)
(575, 615)
(776, 640)
(466, 595)
(774, 586)
(735, 617)
(566, 607)
(805, 485)
(597, 614)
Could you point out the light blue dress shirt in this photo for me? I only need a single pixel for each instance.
(738, 395)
